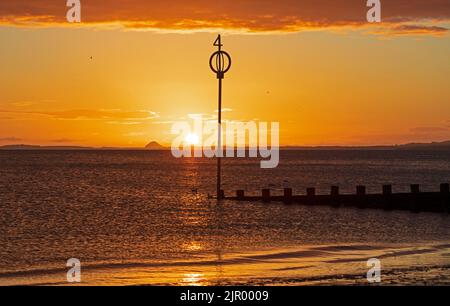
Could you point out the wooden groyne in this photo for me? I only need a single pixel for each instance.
(416, 200)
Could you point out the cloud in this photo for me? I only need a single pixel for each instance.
(7, 139)
(134, 134)
(164, 122)
(412, 17)
(100, 114)
(126, 122)
(62, 140)
(413, 30)
(113, 114)
(421, 130)
(431, 132)
(224, 110)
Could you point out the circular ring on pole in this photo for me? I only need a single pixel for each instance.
(220, 63)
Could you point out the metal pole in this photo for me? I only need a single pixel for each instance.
(219, 142)
(220, 67)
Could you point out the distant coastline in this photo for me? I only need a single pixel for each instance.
(24, 147)
(154, 146)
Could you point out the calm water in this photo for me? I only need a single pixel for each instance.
(135, 217)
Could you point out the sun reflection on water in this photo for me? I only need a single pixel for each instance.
(193, 279)
(192, 246)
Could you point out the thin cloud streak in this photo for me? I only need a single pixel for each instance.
(406, 17)
(9, 139)
(91, 114)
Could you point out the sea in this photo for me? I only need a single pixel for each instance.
(147, 218)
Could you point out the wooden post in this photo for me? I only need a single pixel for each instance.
(387, 190)
(334, 196)
(445, 190)
(266, 195)
(334, 191)
(221, 195)
(415, 188)
(287, 195)
(360, 193)
(414, 205)
(310, 192)
(387, 201)
(240, 195)
(361, 190)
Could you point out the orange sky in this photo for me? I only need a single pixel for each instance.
(316, 67)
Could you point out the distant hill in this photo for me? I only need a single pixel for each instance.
(154, 146)
(33, 147)
(445, 146)
(23, 147)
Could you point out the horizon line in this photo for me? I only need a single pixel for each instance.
(168, 148)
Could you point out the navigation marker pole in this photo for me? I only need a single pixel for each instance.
(220, 63)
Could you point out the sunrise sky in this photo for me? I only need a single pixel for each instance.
(317, 67)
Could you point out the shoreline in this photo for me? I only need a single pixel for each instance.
(416, 264)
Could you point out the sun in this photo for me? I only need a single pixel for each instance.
(192, 139)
